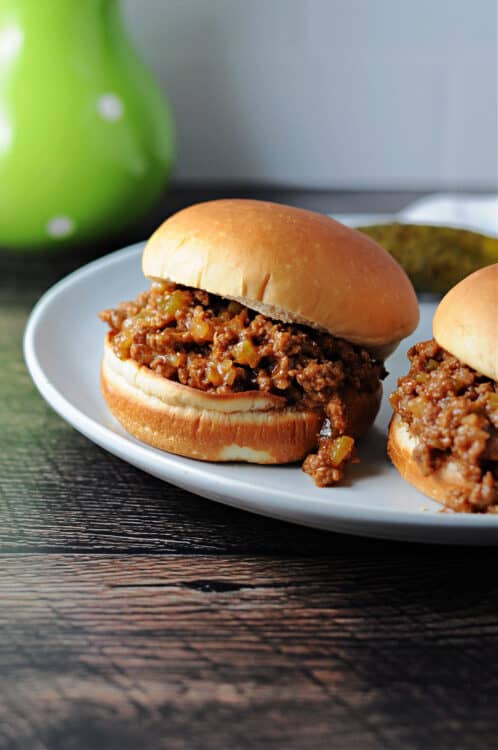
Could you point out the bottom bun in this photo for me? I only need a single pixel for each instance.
(440, 484)
(250, 426)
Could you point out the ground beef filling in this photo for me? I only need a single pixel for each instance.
(210, 343)
(453, 411)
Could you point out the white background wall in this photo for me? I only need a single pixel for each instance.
(332, 93)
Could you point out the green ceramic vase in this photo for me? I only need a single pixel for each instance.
(86, 136)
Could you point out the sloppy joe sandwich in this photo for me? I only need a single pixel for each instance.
(443, 437)
(261, 339)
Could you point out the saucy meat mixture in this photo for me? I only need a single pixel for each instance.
(453, 411)
(216, 345)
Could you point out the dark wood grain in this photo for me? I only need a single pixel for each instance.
(223, 652)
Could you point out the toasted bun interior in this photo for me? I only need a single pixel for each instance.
(466, 321)
(249, 426)
(437, 485)
(290, 264)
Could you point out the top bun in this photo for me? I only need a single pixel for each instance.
(466, 321)
(289, 264)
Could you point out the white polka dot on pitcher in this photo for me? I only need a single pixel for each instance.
(60, 226)
(11, 41)
(110, 107)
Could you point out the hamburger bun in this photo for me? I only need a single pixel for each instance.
(289, 264)
(466, 321)
(249, 426)
(465, 325)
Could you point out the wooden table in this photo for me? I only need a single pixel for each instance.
(135, 615)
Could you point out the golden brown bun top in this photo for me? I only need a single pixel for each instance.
(290, 264)
(466, 321)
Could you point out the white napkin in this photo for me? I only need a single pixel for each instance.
(477, 212)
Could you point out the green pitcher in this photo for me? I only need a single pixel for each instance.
(86, 137)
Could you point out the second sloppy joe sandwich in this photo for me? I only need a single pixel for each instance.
(261, 339)
(443, 437)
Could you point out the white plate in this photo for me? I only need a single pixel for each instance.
(63, 346)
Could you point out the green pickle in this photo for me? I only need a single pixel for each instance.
(340, 449)
(246, 353)
(434, 257)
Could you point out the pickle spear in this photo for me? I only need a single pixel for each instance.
(434, 257)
